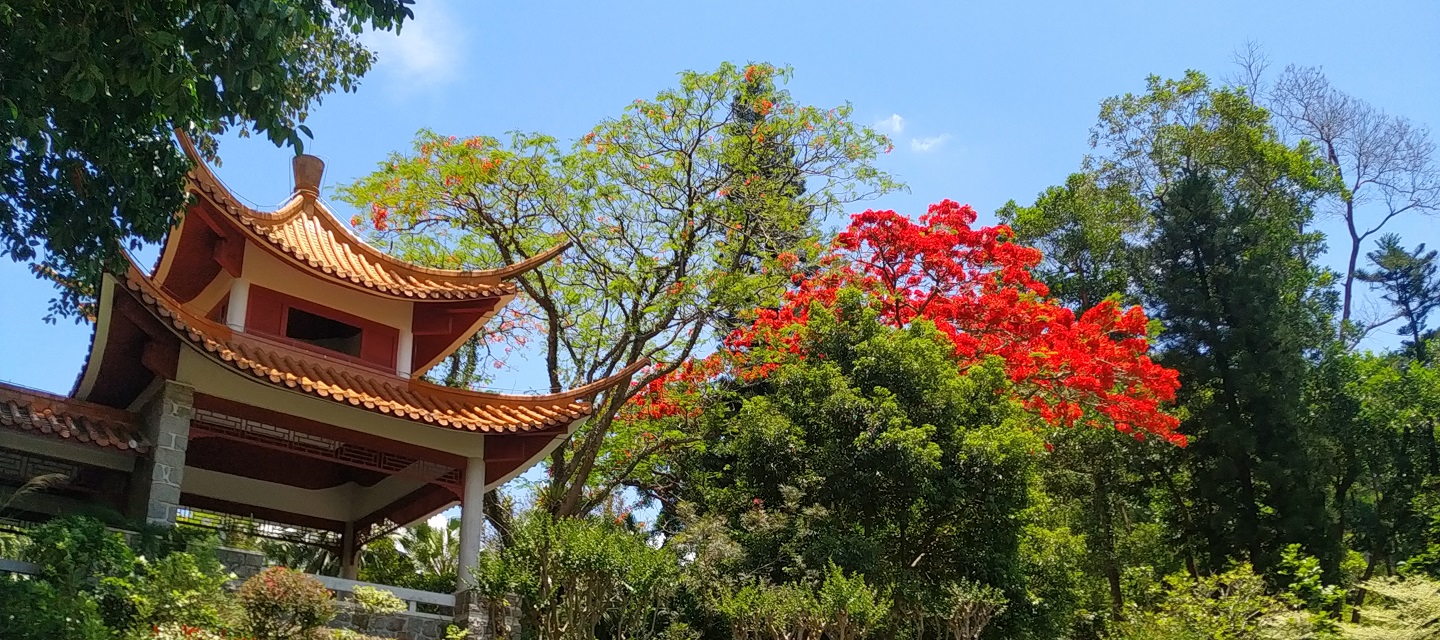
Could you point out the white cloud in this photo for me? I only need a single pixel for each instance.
(892, 125)
(428, 49)
(438, 521)
(924, 145)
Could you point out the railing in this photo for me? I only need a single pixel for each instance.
(412, 597)
(29, 569)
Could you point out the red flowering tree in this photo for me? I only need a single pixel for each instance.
(978, 288)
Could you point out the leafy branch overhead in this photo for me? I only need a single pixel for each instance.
(81, 117)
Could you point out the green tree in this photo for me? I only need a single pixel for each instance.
(1409, 284)
(1088, 232)
(1090, 235)
(650, 201)
(1242, 305)
(874, 452)
(89, 110)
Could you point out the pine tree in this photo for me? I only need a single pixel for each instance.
(1240, 304)
(1408, 280)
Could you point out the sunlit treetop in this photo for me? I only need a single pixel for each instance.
(978, 289)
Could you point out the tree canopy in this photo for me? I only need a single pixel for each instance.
(90, 111)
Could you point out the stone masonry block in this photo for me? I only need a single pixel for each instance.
(168, 493)
(173, 458)
(160, 512)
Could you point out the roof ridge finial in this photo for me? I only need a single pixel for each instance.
(308, 171)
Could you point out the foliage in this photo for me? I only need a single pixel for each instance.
(969, 609)
(1405, 609)
(372, 603)
(175, 631)
(179, 589)
(80, 118)
(674, 209)
(1088, 234)
(976, 288)
(73, 551)
(1230, 606)
(1218, 271)
(839, 608)
(283, 603)
(31, 609)
(573, 575)
(850, 607)
(421, 556)
(1409, 284)
(1303, 581)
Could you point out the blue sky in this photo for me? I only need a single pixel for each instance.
(995, 98)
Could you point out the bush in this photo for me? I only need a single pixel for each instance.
(75, 552)
(182, 589)
(371, 603)
(1231, 606)
(33, 609)
(1399, 609)
(575, 576)
(281, 604)
(173, 631)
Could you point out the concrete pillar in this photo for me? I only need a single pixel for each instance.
(405, 354)
(472, 519)
(474, 611)
(239, 302)
(155, 482)
(349, 554)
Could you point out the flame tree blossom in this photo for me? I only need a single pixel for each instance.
(979, 290)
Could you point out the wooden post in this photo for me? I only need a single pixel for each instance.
(349, 554)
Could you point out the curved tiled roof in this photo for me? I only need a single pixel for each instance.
(51, 415)
(304, 230)
(294, 368)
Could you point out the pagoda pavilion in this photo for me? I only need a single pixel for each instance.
(270, 367)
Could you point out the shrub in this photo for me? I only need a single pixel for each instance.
(281, 604)
(371, 603)
(1399, 609)
(174, 631)
(33, 609)
(75, 552)
(182, 589)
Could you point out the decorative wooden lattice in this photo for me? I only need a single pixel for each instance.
(212, 424)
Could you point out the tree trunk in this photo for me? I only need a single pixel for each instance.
(1107, 546)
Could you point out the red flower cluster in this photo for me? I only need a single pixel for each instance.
(977, 287)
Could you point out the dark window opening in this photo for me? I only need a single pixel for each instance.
(322, 332)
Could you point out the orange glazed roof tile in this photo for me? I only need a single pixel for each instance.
(306, 231)
(294, 368)
(51, 415)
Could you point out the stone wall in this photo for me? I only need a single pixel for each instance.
(240, 562)
(487, 620)
(403, 626)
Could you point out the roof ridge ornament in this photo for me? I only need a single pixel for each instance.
(308, 171)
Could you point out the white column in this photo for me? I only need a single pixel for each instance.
(239, 301)
(472, 518)
(406, 353)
